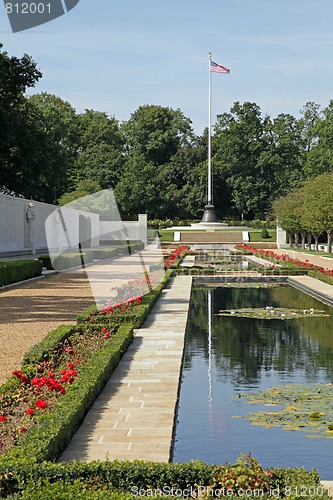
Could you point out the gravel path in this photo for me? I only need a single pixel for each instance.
(31, 310)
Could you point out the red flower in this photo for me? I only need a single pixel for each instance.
(3, 418)
(41, 404)
(20, 376)
(23, 429)
(30, 411)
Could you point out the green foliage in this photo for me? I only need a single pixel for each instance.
(100, 146)
(305, 409)
(119, 479)
(74, 259)
(246, 475)
(308, 209)
(264, 233)
(67, 491)
(66, 260)
(56, 120)
(43, 351)
(20, 270)
(321, 277)
(258, 158)
(156, 132)
(16, 75)
(83, 188)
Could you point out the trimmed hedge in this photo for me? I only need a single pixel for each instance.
(42, 351)
(138, 478)
(74, 259)
(321, 277)
(66, 260)
(19, 270)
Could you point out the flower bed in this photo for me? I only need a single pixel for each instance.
(176, 256)
(172, 260)
(40, 385)
(44, 402)
(287, 261)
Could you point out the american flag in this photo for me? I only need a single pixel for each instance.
(218, 68)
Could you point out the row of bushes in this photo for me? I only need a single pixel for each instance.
(125, 480)
(321, 277)
(19, 270)
(76, 259)
(54, 429)
(255, 224)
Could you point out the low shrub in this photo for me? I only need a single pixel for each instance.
(264, 233)
(138, 478)
(321, 277)
(66, 260)
(45, 348)
(19, 270)
(75, 259)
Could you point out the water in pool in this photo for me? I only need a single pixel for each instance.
(227, 356)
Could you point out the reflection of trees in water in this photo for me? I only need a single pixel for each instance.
(244, 347)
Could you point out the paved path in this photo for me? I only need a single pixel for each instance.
(133, 418)
(313, 285)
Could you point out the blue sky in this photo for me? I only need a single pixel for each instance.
(114, 56)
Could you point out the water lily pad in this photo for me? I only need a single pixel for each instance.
(269, 312)
(305, 408)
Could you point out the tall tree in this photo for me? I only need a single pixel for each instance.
(152, 177)
(156, 132)
(57, 120)
(100, 149)
(288, 212)
(16, 75)
(320, 157)
(238, 142)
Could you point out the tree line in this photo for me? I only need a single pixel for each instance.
(307, 212)
(155, 162)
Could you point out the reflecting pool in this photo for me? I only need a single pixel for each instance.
(227, 356)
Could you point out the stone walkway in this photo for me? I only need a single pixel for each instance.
(133, 418)
(313, 285)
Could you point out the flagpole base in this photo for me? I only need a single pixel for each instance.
(209, 215)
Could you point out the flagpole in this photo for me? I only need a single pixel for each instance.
(209, 215)
(209, 190)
